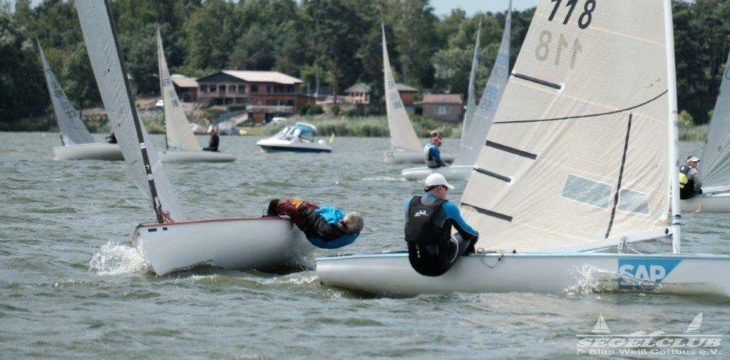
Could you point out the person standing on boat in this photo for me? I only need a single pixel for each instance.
(432, 250)
(214, 141)
(690, 183)
(433, 153)
(325, 226)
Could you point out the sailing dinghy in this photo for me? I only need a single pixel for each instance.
(181, 143)
(476, 120)
(715, 197)
(404, 144)
(581, 156)
(75, 137)
(174, 242)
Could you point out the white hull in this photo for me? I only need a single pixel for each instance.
(414, 157)
(196, 156)
(392, 274)
(710, 203)
(453, 172)
(89, 151)
(270, 145)
(244, 243)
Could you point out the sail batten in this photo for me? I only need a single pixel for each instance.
(139, 152)
(179, 133)
(73, 130)
(578, 173)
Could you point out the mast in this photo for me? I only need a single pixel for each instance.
(672, 141)
(156, 204)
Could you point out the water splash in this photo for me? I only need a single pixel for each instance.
(118, 259)
(591, 280)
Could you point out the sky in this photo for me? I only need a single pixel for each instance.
(444, 7)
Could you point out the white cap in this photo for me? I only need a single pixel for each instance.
(436, 179)
(693, 159)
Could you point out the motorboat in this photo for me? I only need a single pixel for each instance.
(295, 138)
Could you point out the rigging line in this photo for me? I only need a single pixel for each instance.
(584, 116)
(620, 177)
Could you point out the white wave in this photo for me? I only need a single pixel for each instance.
(384, 178)
(118, 259)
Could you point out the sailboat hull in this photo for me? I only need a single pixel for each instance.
(391, 274)
(711, 203)
(89, 151)
(196, 156)
(413, 157)
(453, 172)
(243, 243)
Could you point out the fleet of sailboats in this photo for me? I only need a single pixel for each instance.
(581, 156)
(77, 142)
(477, 120)
(174, 242)
(715, 197)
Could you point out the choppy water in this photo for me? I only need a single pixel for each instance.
(71, 285)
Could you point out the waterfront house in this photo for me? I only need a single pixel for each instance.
(186, 88)
(358, 94)
(445, 107)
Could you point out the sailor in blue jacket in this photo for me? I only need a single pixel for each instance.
(433, 153)
(432, 250)
(325, 226)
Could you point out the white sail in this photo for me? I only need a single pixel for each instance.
(577, 152)
(106, 60)
(483, 115)
(179, 133)
(73, 130)
(716, 154)
(402, 134)
(471, 102)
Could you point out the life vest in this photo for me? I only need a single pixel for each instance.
(430, 162)
(334, 244)
(421, 227)
(686, 185)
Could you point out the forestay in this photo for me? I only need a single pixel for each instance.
(177, 127)
(716, 154)
(577, 153)
(108, 66)
(73, 130)
(482, 118)
(402, 134)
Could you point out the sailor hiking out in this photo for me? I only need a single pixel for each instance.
(432, 250)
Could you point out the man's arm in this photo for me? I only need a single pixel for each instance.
(454, 215)
(437, 156)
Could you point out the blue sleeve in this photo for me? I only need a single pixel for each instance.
(331, 214)
(453, 213)
(436, 155)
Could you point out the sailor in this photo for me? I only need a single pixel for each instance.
(214, 141)
(325, 226)
(433, 153)
(432, 250)
(690, 183)
(111, 139)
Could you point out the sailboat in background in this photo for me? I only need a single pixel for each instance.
(477, 120)
(581, 156)
(75, 137)
(404, 144)
(173, 242)
(715, 197)
(181, 143)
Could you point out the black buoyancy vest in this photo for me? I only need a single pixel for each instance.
(421, 227)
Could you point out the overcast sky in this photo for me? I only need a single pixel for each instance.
(444, 7)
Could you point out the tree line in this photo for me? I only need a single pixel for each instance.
(330, 44)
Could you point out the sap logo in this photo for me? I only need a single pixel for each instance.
(420, 213)
(653, 270)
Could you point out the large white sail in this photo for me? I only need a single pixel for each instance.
(402, 134)
(73, 130)
(482, 117)
(577, 152)
(716, 154)
(106, 60)
(177, 127)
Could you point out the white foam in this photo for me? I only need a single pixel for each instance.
(384, 178)
(118, 259)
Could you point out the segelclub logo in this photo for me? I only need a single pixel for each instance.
(644, 274)
(420, 213)
(691, 342)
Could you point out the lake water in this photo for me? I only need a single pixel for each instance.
(72, 286)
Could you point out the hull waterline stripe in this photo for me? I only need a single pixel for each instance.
(620, 177)
(511, 150)
(538, 81)
(494, 175)
(583, 116)
(491, 213)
